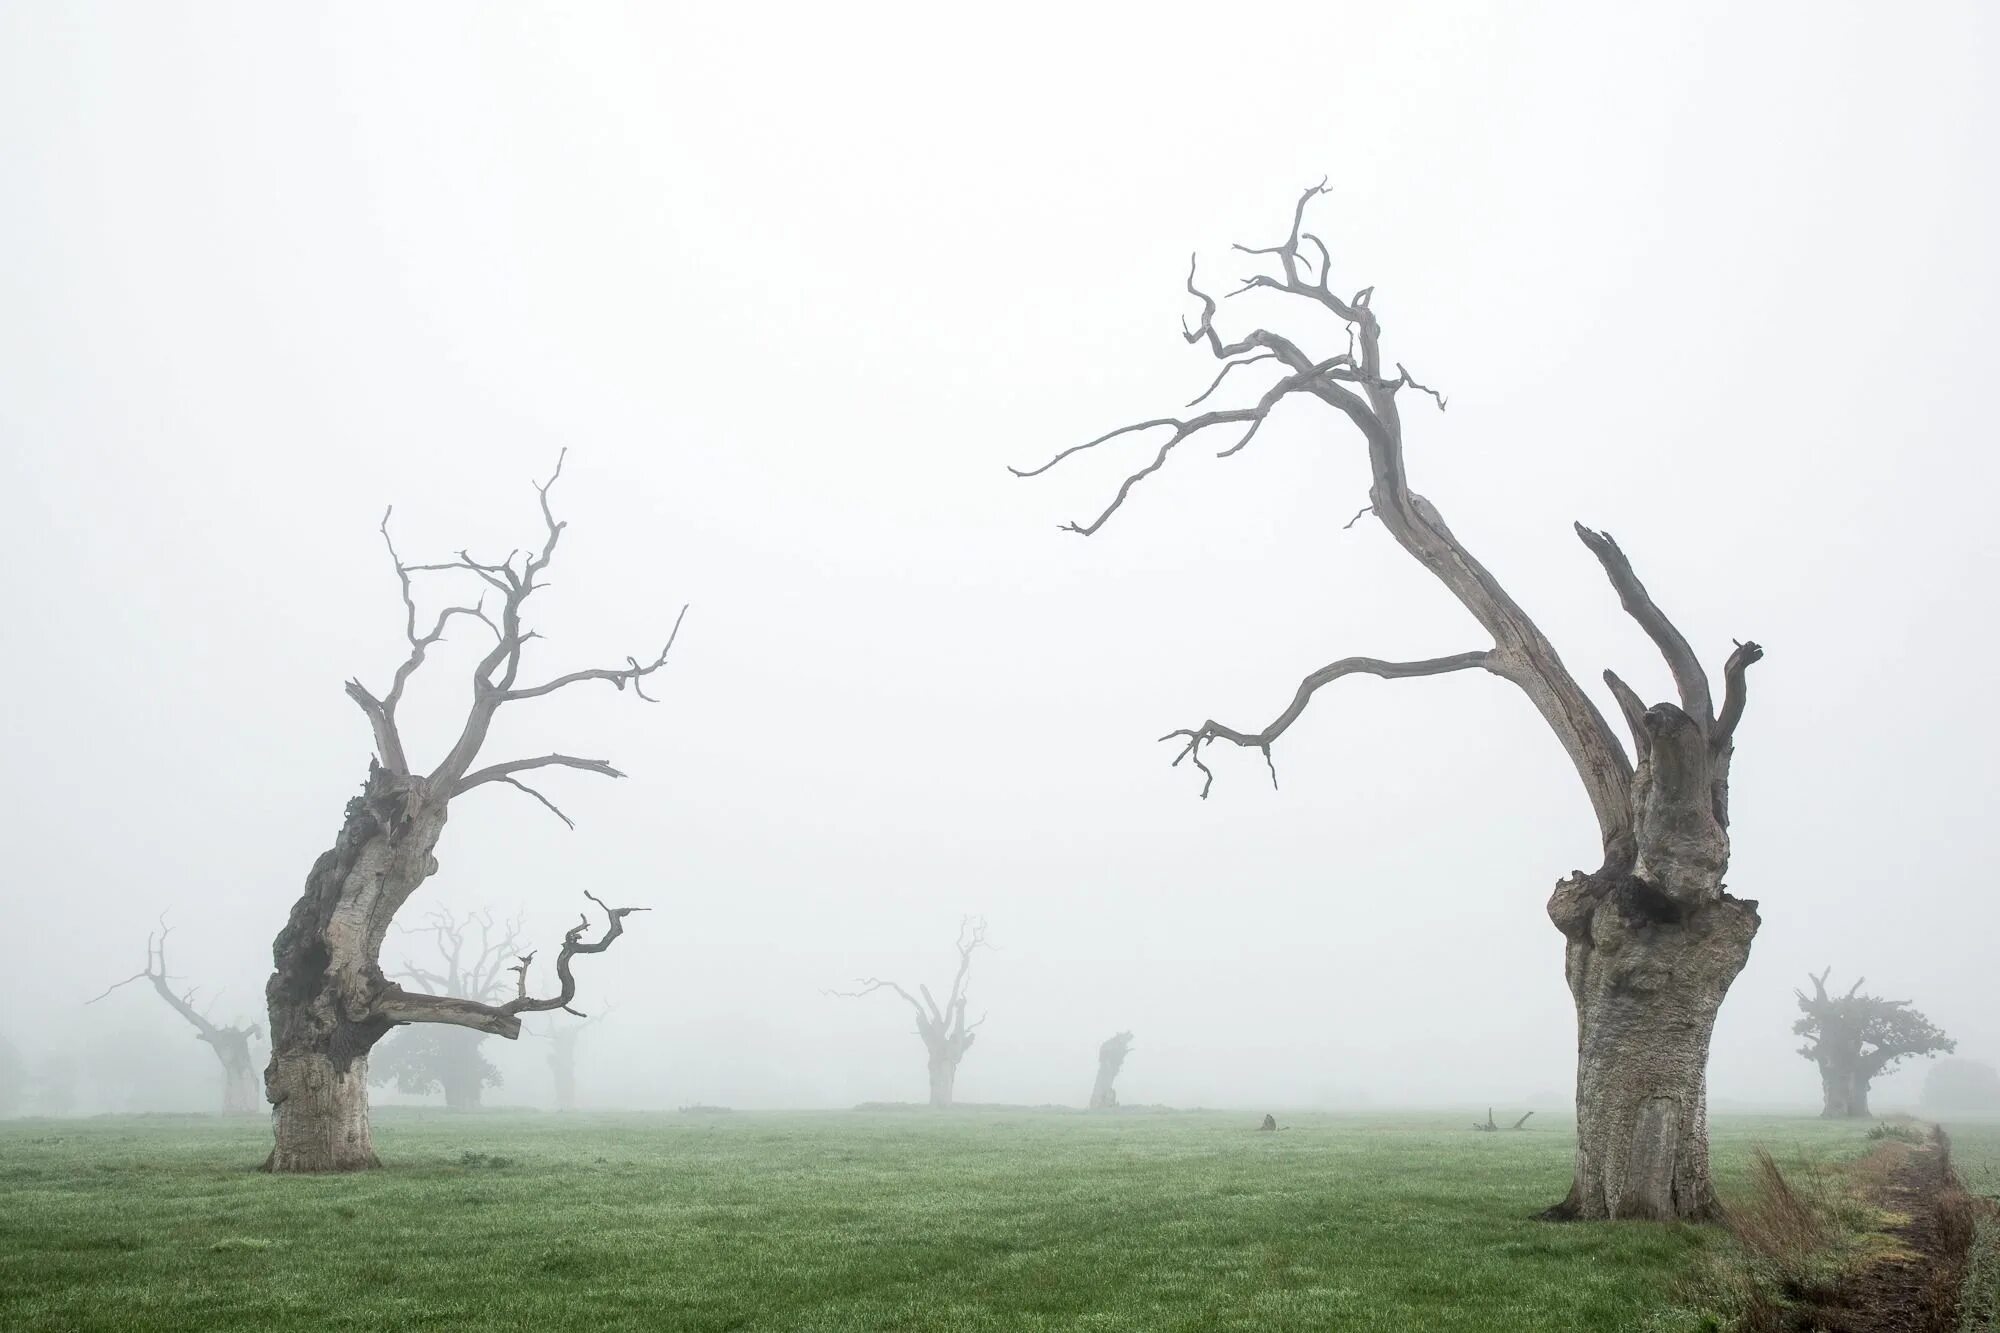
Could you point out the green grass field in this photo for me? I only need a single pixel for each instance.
(838, 1221)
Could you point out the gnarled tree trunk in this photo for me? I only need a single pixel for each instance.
(1648, 978)
(329, 1000)
(326, 988)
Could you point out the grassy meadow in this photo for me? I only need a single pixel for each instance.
(885, 1220)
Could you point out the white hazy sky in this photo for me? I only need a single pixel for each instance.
(794, 287)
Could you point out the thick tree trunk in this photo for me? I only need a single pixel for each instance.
(1648, 975)
(1844, 1092)
(462, 1078)
(321, 1118)
(944, 1071)
(325, 981)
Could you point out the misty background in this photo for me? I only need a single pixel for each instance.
(794, 290)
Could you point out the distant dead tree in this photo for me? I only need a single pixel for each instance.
(476, 957)
(562, 1039)
(230, 1043)
(1491, 1128)
(1857, 1037)
(1110, 1059)
(945, 1033)
(329, 999)
(1653, 939)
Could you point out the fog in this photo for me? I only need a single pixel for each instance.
(794, 290)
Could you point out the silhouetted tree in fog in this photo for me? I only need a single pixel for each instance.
(1110, 1059)
(1855, 1038)
(1653, 939)
(945, 1033)
(329, 999)
(472, 956)
(562, 1039)
(230, 1043)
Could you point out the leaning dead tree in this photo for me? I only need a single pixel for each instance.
(945, 1033)
(1110, 1059)
(230, 1043)
(473, 956)
(1653, 941)
(1855, 1038)
(330, 1001)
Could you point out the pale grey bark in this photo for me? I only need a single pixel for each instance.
(942, 1028)
(1653, 939)
(1110, 1059)
(329, 999)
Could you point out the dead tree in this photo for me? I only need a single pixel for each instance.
(475, 958)
(1491, 1128)
(562, 1039)
(1110, 1059)
(231, 1043)
(329, 999)
(1855, 1038)
(1653, 941)
(945, 1033)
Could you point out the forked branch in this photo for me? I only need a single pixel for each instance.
(1211, 730)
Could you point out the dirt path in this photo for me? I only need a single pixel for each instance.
(1913, 1289)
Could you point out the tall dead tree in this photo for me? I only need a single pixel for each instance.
(1653, 941)
(329, 999)
(1110, 1059)
(1856, 1038)
(943, 1029)
(475, 957)
(231, 1043)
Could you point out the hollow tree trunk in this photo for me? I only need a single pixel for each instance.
(944, 1071)
(1648, 975)
(325, 981)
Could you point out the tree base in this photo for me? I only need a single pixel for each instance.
(321, 1115)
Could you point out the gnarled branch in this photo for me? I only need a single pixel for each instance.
(1212, 730)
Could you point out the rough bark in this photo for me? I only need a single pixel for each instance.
(329, 1000)
(1110, 1059)
(1646, 996)
(321, 1123)
(1648, 976)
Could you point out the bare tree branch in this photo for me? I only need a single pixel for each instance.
(502, 1020)
(1212, 730)
(1689, 678)
(504, 771)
